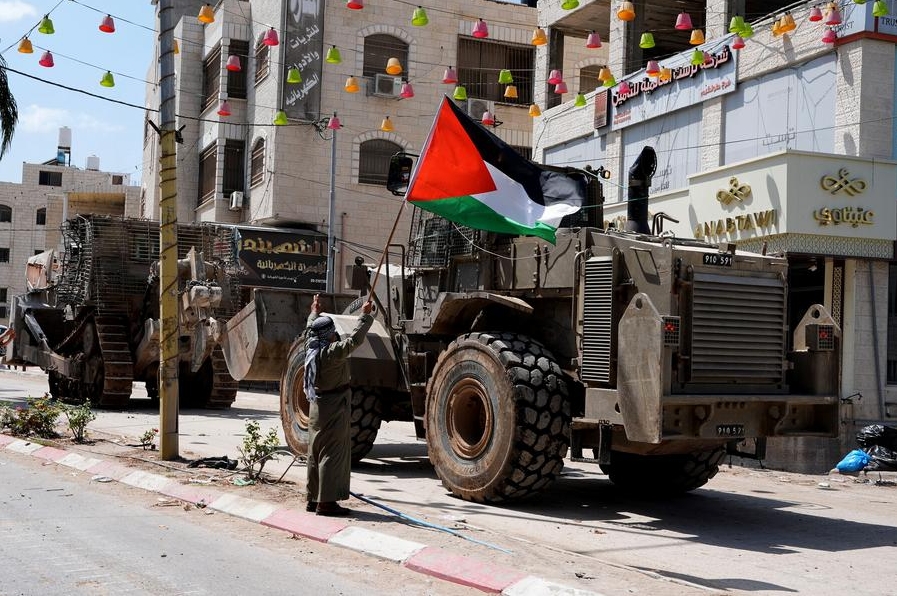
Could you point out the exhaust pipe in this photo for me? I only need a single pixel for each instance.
(639, 181)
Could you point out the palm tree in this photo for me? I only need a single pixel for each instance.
(9, 112)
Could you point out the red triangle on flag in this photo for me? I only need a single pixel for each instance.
(451, 165)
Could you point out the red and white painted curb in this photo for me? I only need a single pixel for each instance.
(433, 561)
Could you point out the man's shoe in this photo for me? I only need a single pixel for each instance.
(332, 509)
(311, 506)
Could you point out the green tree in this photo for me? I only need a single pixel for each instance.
(9, 112)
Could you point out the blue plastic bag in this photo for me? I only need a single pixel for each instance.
(854, 461)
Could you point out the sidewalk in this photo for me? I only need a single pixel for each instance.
(433, 561)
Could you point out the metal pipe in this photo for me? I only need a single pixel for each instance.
(331, 216)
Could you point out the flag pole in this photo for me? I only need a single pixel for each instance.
(392, 232)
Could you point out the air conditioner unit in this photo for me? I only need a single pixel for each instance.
(385, 85)
(236, 200)
(477, 107)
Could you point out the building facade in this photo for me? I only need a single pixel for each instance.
(242, 168)
(785, 145)
(32, 212)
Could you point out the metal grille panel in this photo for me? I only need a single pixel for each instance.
(434, 240)
(738, 330)
(598, 320)
(106, 261)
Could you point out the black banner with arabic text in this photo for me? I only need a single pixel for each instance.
(282, 259)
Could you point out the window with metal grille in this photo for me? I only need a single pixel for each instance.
(5, 213)
(374, 156)
(480, 61)
(40, 217)
(211, 78)
(208, 164)
(262, 60)
(49, 178)
(4, 255)
(236, 80)
(378, 49)
(588, 79)
(257, 163)
(234, 166)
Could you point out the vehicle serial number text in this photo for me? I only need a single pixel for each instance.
(718, 259)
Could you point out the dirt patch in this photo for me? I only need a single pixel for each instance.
(128, 452)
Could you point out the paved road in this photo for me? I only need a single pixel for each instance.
(750, 531)
(64, 536)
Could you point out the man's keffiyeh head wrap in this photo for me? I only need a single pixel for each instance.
(320, 333)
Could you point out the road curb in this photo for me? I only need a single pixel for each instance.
(415, 556)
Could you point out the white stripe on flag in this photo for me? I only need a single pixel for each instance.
(510, 200)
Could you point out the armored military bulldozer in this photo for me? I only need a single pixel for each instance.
(651, 355)
(93, 323)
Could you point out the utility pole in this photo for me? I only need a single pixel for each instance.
(168, 244)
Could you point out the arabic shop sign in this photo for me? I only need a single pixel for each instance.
(850, 216)
(640, 97)
(303, 45)
(282, 259)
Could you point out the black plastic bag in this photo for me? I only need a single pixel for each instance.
(883, 459)
(877, 434)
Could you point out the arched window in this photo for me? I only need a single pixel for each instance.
(257, 163)
(5, 213)
(378, 49)
(262, 59)
(40, 218)
(373, 166)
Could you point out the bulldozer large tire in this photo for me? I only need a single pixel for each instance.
(662, 475)
(498, 417)
(364, 419)
(364, 422)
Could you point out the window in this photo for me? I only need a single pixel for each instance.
(588, 79)
(40, 218)
(236, 80)
(45, 178)
(257, 163)
(208, 164)
(234, 166)
(118, 179)
(378, 49)
(211, 78)
(3, 312)
(4, 255)
(374, 163)
(262, 60)
(37, 251)
(479, 62)
(5, 213)
(3, 294)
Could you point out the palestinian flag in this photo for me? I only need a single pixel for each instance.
(469, 176)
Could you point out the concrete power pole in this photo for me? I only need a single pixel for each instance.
(168, 244)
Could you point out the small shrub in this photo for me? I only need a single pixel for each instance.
(257, 449)
(79, 417)
(37, 418)
(7, 415)
(147, 438)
